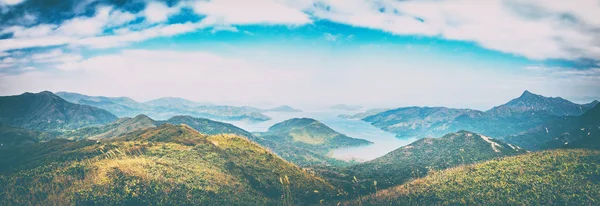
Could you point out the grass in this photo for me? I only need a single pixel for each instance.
(558, 177)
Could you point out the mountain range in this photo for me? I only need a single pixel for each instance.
(60, 153)
(164, 108)
(45, 111)
(516, 116)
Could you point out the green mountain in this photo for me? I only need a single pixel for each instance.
(305, 141)
(169, 164)
(364, 114)
(283, 108)
(565, 132)
(119, 127)
(167, 107)
(45, 111)
(11, 136)
(515, 117)
(418, 158)
(529, 102)
(557, 177)
(210, 127)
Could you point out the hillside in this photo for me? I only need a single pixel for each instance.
(169, 164)
(121, 126)
(305, 141)
(364, 114)
(167, 107)
(530, 102)
(45, 111)
(527, 112)
(421, 121)
(557, 177)
(565, 132)
(206, 126)
(416, 159)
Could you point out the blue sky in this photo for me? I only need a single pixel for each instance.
(457, 53)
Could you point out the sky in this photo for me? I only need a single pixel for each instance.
(304, 53)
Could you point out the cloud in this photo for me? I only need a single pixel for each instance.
(330, 37)
(535, 29)
(11, 2)
(164, 72)
(159, 12)
(234, 12)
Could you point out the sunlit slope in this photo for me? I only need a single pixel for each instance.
(166, 165)
(558, 177)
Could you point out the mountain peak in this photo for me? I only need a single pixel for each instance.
(528, 94)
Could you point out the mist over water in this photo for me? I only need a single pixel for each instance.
(383, 142)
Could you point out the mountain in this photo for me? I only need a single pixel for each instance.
(421, 121)
(120, 106)
(363, 115)
(529, 102)
(119, 127)
(557, 177)
(565, 132)
(515, 117)
(206, 126)
(45, 111)
(305, 141)
(418, 158)
(168, 164)
(167, 107)
(174, 102)
(345, 107)
(283, 108)
(11, 136)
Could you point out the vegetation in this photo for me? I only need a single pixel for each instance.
(529, 111)
(165, 108)
(167, 165)
(557, 177)
(418, 159)
(45, 111)
(305, 141)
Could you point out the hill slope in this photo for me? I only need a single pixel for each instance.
(305, 141)
(121, 126)
(45, 111)
(421, 156)
(558, 177)
(566, 132)
(169, 164)
(516, 116)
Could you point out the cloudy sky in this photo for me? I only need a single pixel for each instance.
(376, 53)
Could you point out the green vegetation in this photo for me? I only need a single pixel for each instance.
(45, 111)
(165, 108)
(558, 177)
(166, 165)
(418, 158)
(520, 115)
(305, 141)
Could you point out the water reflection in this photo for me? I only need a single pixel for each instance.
(383, 142)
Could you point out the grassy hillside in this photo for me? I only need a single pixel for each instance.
(421, 156)
(306, 141)
(45, 111)
(558, 177)
(416, 160)
(167, 165)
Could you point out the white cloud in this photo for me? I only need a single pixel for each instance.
(234, 12)
(493, 24)
(330, 37)
(165, 73)
(156, 12)
(11, 2)
(126, 36)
